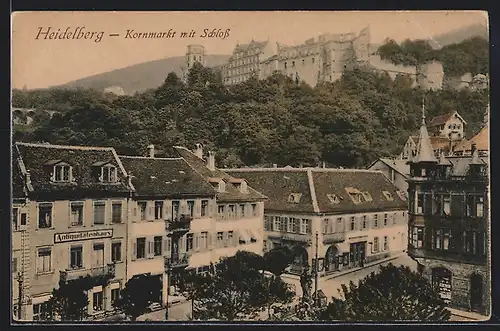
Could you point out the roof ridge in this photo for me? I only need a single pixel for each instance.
(87, 148)
(302, 170)
(312, 190)
(150, 158)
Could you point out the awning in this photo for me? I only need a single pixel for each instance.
(253, 234)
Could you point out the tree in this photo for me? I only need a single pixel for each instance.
(277, 292)
(393, 293)
(278, 259)
(68, 302)
(193, 285)
(235, 291)
(139, 292)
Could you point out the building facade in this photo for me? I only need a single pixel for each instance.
(352, 216)
(449, 224)
(397, 171)
(77, 202)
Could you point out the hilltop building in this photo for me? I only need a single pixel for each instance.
(357, 216)
(449, 224)
(481, 142)
(445, 132)
(318, 59)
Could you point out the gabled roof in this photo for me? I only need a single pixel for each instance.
(425, 152)
(232, 192)
(318, 186)
(481, 139)
(400, 166)
(38, 158)
(442, 119)
(461, 163)
(164, 177)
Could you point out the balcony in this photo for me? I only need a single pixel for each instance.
(180, 224)
(446, 255)
(100, 271)
(298, 237)
(333, 238)
(177, 260)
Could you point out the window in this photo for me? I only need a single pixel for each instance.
(220, 238)
(15, 213)
(44, 260)
(420, 203)
(480, 207)
(312, 60)
(157, 246)
(116, 212)
(353, 223)
(190, 205)
(116, 251)
(158, 210)
(40, 311)
(97, 301)
(334, 199)
(76, 257)
(386, 243)
(367, 196)
(375, 221)
(417, 237)
(98, 255)
(175, 209)
(364, 222)
(108, 174)
(441, 239)
(62, 173)
(220, 211)
(231, 211)
(141, 248)
(44, 215)
(446, 239)
(304, 226)
(375, 245)
(388, 195)
(385, 219)
(326, 226)
(254, 209)
(294, 197)
(446, 205)
(142, 208)
(14, 264)
(230, 236)
(115, 295)
(76, 217)
(276, 223)
(204, 208)
(285, 65)
(242, 211)
(189, 242)
(99, 212)
(23, 219)
(203, 244)
(339, 228)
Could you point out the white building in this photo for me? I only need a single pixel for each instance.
(358, 216)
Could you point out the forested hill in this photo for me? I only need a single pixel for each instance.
(348, 123)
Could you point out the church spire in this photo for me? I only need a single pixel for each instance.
(425, 153)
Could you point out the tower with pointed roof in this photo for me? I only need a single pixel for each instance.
(448, 224)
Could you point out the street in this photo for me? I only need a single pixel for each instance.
(180, 312)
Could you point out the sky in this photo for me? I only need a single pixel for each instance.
(40, 63)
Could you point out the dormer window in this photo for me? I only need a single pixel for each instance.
(401, 195)
(240, 184)
(105, 172)
(388, 195)
(367, 196)
(334, 199)
(61, 171)
(294, 197)
(218, 183)
(354, 194)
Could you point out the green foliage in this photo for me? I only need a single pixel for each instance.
(278, 259)
(140, 291)
(471, 55)
(393, 293)
(68, 302)
(349, 123)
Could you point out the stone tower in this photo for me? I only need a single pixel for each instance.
(195, 53)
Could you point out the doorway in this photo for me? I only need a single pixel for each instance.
(357, 254)
(476, 293)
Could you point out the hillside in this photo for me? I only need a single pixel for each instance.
(459, 35)
(139, 77)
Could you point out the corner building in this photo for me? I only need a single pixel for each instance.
(76, 200)
(449, 224)
(358, 216)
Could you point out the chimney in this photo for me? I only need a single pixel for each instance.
(151, 150)
(28, 178)
(323, 165)
(211, 161)
(275, 165)
(199, 151)
(129, 179)
(472, 148)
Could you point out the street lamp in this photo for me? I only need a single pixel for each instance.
(168, 290)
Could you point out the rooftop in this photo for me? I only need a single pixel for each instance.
(323, 190)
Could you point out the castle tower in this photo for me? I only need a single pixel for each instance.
(194, 53)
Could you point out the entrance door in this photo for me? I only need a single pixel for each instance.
(476, 293)
(441, 278)
(357, 252)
